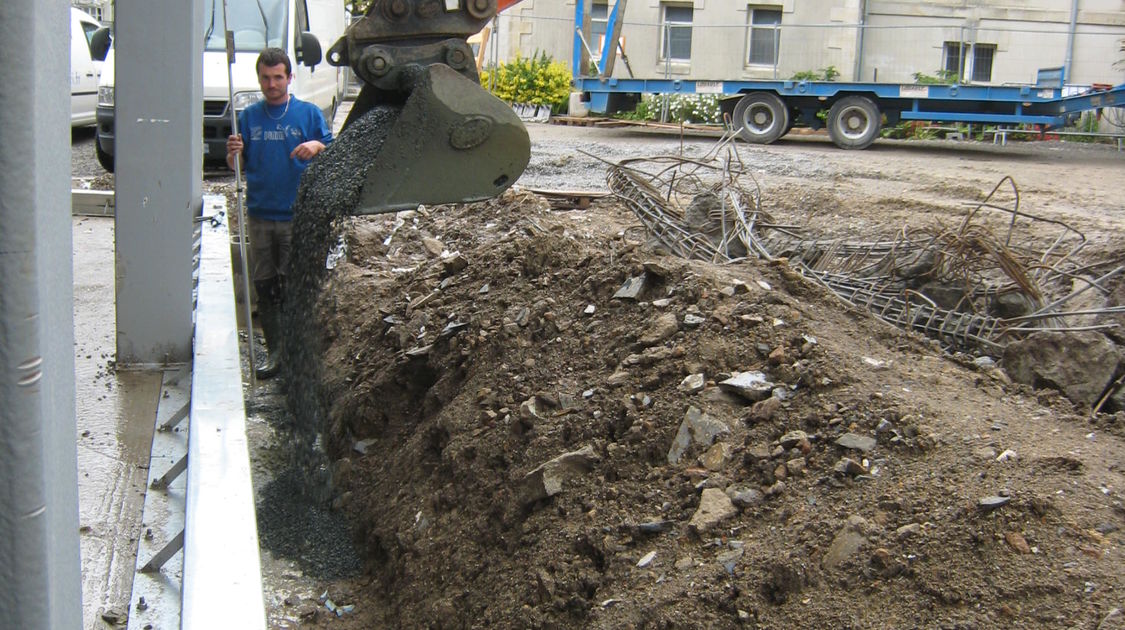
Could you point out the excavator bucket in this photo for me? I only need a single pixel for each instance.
(453, 142)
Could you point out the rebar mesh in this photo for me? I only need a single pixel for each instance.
(997, 276)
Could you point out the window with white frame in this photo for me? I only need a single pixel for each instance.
(972, 61)
(599, 24)
(763, 38)
(676, 39)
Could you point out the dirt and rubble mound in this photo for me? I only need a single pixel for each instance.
(537, 420)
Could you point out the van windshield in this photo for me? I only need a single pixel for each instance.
(256, 24)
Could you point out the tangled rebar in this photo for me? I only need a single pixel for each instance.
(998, 276)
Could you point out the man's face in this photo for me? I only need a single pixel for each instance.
(274, 81)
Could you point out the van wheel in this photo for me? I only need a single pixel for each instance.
(760, 117)
(104, 158)
(854, 122)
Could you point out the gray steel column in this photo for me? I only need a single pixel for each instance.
(159, 172)
(40, 575)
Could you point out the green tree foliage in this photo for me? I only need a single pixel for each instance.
(535, 80)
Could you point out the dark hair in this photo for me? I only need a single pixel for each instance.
(272, 57)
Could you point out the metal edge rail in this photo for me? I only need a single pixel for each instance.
(222, 565)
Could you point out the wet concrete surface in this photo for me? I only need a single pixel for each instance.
(115, 416)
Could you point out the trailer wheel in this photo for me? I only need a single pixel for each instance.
(854, 122)
(761, 117)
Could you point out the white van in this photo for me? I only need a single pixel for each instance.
(85, 68)
(302, 28)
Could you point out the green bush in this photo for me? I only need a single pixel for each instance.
(536, 80)
(944, 77)
(824, 74)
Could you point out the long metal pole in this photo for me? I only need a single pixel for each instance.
(40, 580)
(1070, 33)
(228, 36)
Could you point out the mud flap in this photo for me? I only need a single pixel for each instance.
(453, 143)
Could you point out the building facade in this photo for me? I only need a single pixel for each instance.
(978, 41)
(100, 10)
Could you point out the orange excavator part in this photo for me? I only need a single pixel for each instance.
(504, 4)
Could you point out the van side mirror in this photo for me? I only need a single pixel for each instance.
(99, 43)
(309, 53)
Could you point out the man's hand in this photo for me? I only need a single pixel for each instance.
(306, 150)
(234, 148)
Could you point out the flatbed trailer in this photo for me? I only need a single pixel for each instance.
(764, 111)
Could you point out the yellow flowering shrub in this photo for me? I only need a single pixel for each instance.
(536, 80)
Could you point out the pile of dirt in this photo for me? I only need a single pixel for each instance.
(536, 420)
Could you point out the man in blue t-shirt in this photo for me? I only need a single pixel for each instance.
(279, 135)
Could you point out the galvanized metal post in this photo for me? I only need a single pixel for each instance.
(40, 575)
(1070, 33)
(159, 156)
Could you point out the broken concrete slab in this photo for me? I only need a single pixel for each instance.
(548, 479)
(1079, 364)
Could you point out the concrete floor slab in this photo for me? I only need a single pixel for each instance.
(116, 412)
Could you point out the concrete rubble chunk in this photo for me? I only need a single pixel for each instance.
(856, 442)
(693, 383)
(714, 508)
(548, 479)
(692, 320)
(752, 386)
(453, 263)
(696, 428)
(1079, 364)
(632, 288)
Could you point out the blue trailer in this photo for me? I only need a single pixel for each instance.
(764, 110)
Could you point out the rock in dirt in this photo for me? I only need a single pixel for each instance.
(632, 288)
(745, 497)
(660, 330)
(987, 504)
(1115, 620)
(849, 467)
(693, 383)
(697, 428)
(752, 386)
(547, 480)
(856, 442)
(1017, 542)
(714, 508)
(847, 542)
(1078, 364)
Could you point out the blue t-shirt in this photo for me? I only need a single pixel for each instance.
(269, 135)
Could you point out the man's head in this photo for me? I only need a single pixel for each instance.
(274, 74)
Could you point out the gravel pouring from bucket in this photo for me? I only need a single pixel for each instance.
(453, 143)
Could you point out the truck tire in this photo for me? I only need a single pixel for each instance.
(104, 157)
(761, 117)
(854, 122)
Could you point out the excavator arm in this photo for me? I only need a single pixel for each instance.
(451, 141)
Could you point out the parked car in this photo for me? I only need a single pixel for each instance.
(87, 54)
